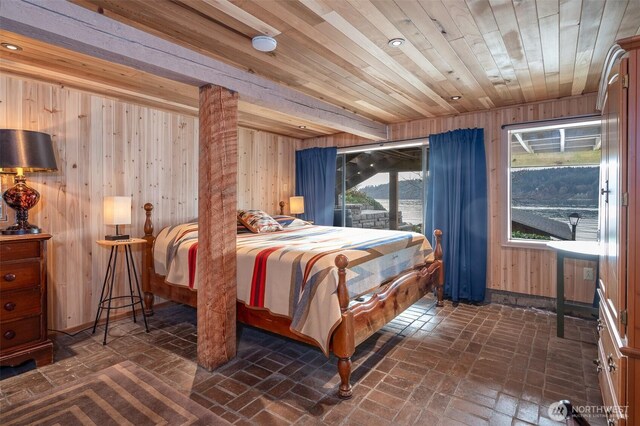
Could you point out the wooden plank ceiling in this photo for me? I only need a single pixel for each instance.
(491, 52)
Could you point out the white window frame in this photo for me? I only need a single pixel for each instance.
(505, 161)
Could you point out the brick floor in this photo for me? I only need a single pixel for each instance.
(471, 365)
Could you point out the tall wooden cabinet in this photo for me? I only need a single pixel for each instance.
(618, 360)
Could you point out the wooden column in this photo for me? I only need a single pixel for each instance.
(217, 191)
(393, 200)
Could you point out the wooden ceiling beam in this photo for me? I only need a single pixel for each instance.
(76, 28)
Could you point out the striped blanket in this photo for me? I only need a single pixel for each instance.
(292, 272)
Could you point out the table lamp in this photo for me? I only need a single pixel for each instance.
(296, 205)
(117, 211)
(24, 151)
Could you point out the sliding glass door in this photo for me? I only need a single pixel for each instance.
(382, 188)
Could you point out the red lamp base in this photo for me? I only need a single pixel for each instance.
(21, 198)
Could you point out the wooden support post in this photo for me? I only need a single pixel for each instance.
(393, 200)
(217, 193)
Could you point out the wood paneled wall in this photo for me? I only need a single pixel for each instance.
(266, 169)
(529, 271)
(105, 147)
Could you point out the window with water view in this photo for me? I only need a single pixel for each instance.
(554, 181)
(384, 189)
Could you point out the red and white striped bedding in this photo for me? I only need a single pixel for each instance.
(292, 272)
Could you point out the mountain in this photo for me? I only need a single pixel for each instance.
(550, 186)
(410, 189)
(556, 186)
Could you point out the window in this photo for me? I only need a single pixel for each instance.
(381, 187)
(553, 180)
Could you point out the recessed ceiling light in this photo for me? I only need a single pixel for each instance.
(11, 46)
(396, 42)
(264, 43)
(302, 127)
(455, 98)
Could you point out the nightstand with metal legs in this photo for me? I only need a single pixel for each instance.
(106, 295)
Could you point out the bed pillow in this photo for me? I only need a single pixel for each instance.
(299, 222)
(241, 229)
(284, 220)
(258, 221)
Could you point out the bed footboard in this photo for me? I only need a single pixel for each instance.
(154, 284)
(362, 320)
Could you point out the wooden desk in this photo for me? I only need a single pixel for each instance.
(585, 250)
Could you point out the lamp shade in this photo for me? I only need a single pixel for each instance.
(296, 204)
(27, 151)
(117, 210)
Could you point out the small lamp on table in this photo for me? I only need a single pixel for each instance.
(117, 211)
(296, 205)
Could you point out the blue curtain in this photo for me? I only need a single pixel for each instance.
(316, 182)
(457, 205)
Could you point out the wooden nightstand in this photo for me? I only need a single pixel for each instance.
(23, 300)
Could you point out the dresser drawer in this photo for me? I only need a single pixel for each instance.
(19, 250)
(613, 364)
(19, 275)
(15, 333)
(20, 303)
(609, 397)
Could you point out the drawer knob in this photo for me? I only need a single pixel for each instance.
(9, 306)
(598, 364)
(610, 363)
(9, 277)
(10, 334)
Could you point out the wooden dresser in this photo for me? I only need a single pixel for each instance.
(23, 300)
(618, 360)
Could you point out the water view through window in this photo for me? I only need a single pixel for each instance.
(384, 189)
(554, 173)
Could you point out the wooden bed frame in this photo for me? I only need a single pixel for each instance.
(359, 320)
